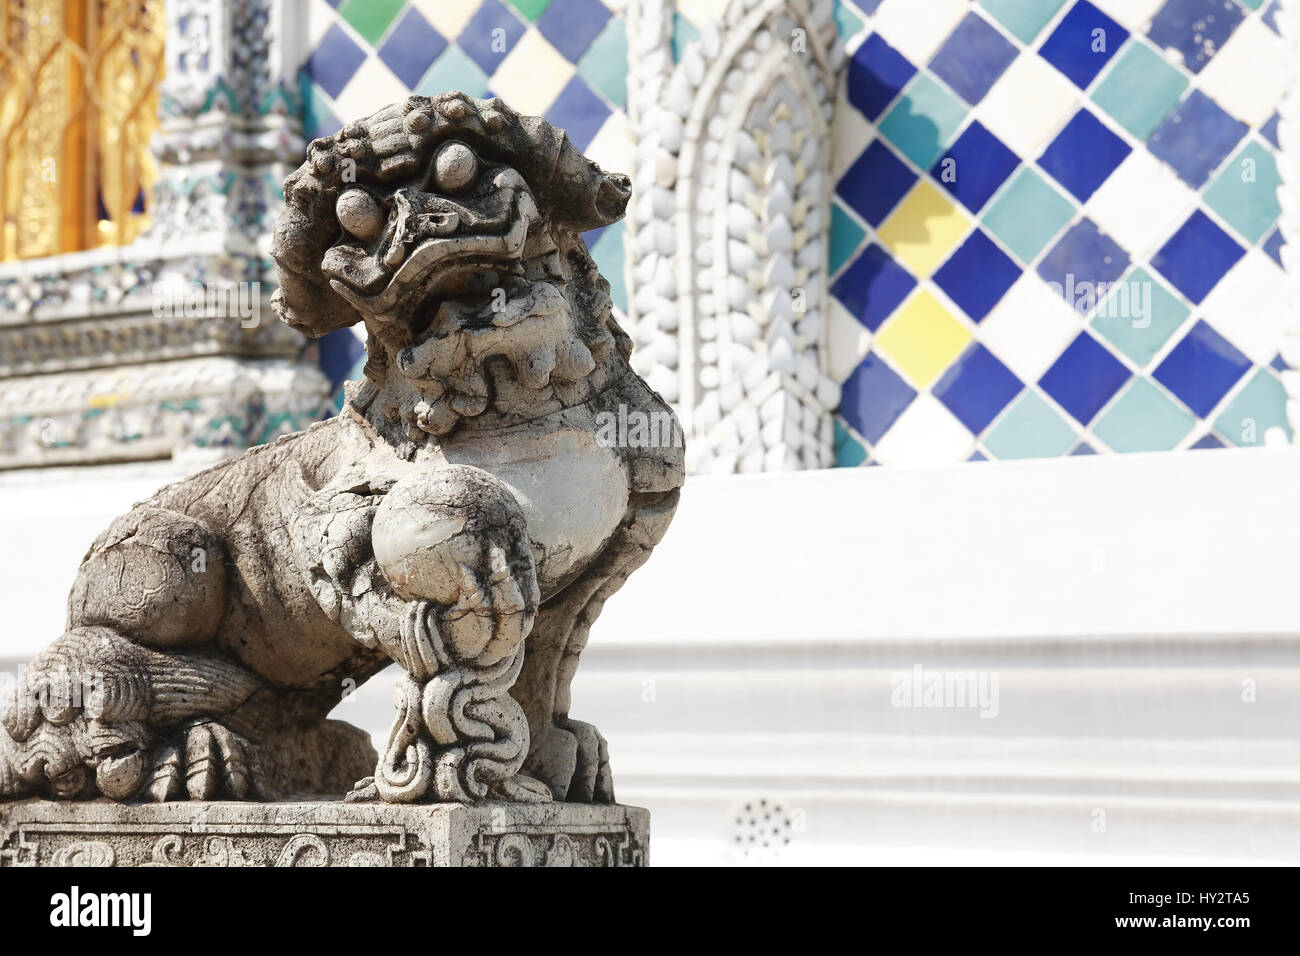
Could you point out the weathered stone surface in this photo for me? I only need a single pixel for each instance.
(466, 516)
(102, 833)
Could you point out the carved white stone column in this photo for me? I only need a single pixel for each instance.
(729, 229)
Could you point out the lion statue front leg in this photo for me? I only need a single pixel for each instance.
(436, 570)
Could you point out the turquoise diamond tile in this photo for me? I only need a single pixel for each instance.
(454, 70)
(604, 65)
(1259, 406)
(1030, 428)
(1143, 418)
(847, 21)
(923, 121)
(1140, 89)
(371, 18)
(1024, 18)
(1139, 316)
(1028, 214)
(849, 451)
(846, 236)
(609, 257)
(684, 34)
(1245, 193)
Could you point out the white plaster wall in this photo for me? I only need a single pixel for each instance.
(1139, 614)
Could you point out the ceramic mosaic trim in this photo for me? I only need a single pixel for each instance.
(1288, 20)
(998, 158)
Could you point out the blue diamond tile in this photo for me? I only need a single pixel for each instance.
(873, 287)
(877, 74)
(1197, 256)
(1084, 378)
(1269, 130)
(334, 61)
(1270, 16)
(579, 112)
(339, 352)
(972, 58)
(1083, 43)
(977, 276)
(1195, 28)
(490, 35)
(876, 182)
(1083, 258)
(977, 387)
(1083, 155)
(873, 397)
(1208, 440)
(975, 166)
(1273, 246)
(1083, 448)
(1279, 363)
(1195, 138)
(411, 47)
(1202, 368)
(571, 25)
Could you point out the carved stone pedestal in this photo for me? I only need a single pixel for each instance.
(102, 833)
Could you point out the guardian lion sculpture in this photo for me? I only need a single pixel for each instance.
(461, 517)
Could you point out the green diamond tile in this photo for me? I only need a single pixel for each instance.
(1028, 214)
(849, 452)
(1245, 193)
(846, 236)
(454, 70)
(1143, 418)
(1140, 90)
(604, 65)
(371, 18)
(1024, 18)
(532, 9)
(1030, 428)
(1259, 406)
(923, 121)
(1139, 316)
(1251, 4)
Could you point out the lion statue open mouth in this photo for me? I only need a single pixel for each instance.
(461, 517)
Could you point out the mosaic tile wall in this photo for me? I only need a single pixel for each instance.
(1000, 161)
(1055, 226)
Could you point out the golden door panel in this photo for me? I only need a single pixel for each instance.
(78, 104)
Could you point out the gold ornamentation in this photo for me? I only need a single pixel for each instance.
(78, 104)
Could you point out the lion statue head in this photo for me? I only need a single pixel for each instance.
(452, 227)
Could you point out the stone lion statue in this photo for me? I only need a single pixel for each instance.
(461, 517)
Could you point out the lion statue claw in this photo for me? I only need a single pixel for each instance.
(463, 516)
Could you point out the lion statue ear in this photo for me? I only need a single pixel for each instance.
(393, 144)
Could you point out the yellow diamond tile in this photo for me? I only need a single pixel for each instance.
(923, 230)
(922, 339)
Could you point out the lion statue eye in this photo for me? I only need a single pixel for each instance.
(455, 167)
(360, 214)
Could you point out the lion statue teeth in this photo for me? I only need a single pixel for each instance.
(465, 516)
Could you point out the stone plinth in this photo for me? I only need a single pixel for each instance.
(328, 833)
